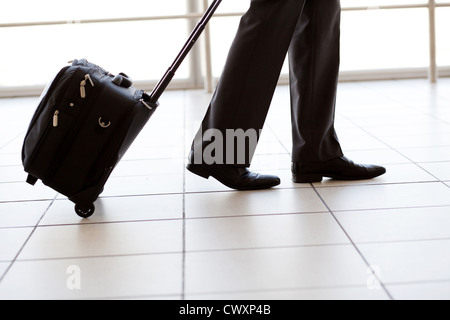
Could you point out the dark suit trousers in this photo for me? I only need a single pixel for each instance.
(309, 30)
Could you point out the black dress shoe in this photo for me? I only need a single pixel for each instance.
(234, 177)
(338, 169)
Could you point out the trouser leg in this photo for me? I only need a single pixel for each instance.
(314, 69)
(248, 82)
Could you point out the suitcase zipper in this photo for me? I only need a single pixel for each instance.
(83, 85)
(55, 118)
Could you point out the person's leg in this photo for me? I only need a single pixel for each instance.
(243, 96)
(314, 68)
(247, 84)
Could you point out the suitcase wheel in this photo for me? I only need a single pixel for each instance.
(84, 211)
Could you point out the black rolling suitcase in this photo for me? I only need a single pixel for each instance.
(86, 120)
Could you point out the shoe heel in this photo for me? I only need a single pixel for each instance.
(306, 178)
(198, 170)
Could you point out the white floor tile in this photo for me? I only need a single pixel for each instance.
(440, 170)
(90, 240)
(401, 119)
(12, 174)
(22, 214)
(143, 185)
(270, 144)
(148, 167)
(365, 143)
(396, 224)
(3, 267)
(12, 240)
(263, 232)
(302, 200)
(271, 162)
(386, 196)
(418, 141)
(380, 157)
(421, 291)
(15, 145)
(94, 278)
(9, 159)
(270, 269)
(409, 130)
(153, 153)
(21, 191)
(429, 154)
(410, 261)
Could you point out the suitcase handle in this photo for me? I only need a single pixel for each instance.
(196, 33)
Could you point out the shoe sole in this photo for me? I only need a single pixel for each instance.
(307, 178)
(312, 178)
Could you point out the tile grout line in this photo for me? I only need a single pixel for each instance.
(28, 239)
(402, 103)
(387, 144)
(10, 141)
(185, 219)
(397, 151)
(353, 244)
(279, 140)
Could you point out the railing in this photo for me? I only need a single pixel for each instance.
(209, 81)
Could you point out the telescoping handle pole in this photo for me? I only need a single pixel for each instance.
(196, 33)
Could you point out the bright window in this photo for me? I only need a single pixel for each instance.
(142, 37)
(374, 39)
(443, 38)
(143, 49)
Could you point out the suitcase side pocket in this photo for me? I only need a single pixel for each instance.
(43, 118)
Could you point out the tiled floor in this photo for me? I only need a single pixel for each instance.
(160, 232)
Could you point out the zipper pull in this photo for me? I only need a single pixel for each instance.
(82, 90)
(88, 77)
(83, 85)
(55, 118)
